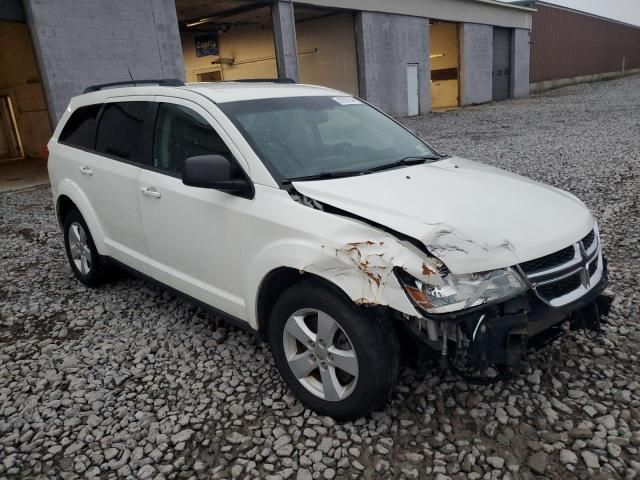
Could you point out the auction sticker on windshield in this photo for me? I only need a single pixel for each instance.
(347, 100)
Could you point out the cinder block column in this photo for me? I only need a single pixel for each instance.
(476, 63)
(284, 36)
(386, 44)
(78, 44)
(520, 58)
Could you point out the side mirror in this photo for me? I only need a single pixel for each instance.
(215, 172)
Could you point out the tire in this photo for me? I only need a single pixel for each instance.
(327, 379)
(87, 264)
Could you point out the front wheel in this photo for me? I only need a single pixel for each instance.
(339, 360)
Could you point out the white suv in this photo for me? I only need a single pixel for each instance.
(310, 216)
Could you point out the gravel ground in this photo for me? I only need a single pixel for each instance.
(129, 381)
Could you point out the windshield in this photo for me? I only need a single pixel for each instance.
(318, 136)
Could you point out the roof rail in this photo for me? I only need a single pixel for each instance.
(266, 80)
(164, 82)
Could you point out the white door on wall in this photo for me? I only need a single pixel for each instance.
(412, 89)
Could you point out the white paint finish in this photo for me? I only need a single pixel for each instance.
(480, 11)
(219, 248)
(233, 92)
(413, 107)
(472, 216)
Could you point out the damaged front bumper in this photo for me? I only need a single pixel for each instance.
(498, 336)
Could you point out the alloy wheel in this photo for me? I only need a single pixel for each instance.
(79, 248)
(320, 354)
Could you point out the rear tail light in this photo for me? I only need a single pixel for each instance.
(45, 153)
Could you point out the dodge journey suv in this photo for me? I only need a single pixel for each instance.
(313, 218)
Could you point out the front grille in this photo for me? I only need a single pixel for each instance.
(593, 266)
(549, 261)
(559, 288)
(566, 275)
(588, 240)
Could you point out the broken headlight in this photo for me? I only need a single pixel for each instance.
(449, 292)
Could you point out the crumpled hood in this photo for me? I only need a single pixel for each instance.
(472, 216)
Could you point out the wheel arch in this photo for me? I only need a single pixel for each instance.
(70, 196)
(64, 205)
(279, 280)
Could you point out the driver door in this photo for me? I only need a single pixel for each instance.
(192, 233)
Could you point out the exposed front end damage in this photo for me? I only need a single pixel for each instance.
(502, 312)
(496, 337)
(490, 343)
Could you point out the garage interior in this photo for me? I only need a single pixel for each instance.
(444, 47)
(232, 40)
(24, 122)
(24, 125)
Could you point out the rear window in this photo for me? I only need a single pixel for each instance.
(120, 130)
(80, 129)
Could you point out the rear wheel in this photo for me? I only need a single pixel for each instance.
(337, 359)
(88, 266)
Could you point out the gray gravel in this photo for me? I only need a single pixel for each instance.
(128, 381)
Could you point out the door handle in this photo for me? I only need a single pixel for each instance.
(86, 171)
(151, 192)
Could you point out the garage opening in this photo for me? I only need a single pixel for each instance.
(327, 48)
(24, 123)
(445, 65)
(226, 40)
(501, 63)
(234, 39)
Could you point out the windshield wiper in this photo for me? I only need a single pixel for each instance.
(324, 176)
(410, 160)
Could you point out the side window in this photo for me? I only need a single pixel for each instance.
(182, 133)
(80, 129)
(120, 130)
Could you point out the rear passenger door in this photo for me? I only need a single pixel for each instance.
(193, 233)
(110, 175)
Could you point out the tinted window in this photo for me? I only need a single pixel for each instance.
(182, 133)
(80, 130)
(120, 130)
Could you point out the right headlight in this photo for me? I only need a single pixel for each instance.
(450, 292)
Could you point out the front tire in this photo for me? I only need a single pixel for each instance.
(338, 359)
(87, 264)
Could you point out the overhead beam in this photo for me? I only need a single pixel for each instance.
(213, 17)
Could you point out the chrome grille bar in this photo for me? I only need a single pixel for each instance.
(578, 272)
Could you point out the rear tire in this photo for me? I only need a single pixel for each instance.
(338, 359)
(87, 264)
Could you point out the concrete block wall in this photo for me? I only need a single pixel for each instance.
(520, 53)
(83, 43)
(476, 63)
(386, 43)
